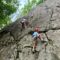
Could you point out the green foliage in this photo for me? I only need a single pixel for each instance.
(5, 22)
(39, 1)
(29, 5)
(26, 8)
(7, 7)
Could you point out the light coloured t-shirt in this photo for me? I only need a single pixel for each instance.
(35, 34)
(23, 20)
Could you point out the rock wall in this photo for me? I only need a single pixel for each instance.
(17, 44)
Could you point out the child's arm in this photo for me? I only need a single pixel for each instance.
(40, 37)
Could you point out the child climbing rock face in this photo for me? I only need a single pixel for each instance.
(24, 23)
(35, 36)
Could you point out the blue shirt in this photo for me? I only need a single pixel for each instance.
(35, 34)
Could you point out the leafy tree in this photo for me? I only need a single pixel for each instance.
(7, 7)
(39, 1)
(29, 5)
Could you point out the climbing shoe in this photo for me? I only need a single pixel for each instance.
(34, 51)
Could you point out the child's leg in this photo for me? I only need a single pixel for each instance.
(34, 44)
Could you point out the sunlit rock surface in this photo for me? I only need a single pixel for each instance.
(17, 45)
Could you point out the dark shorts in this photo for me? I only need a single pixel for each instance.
(23, 25)
(27, 23)
(35, 38)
